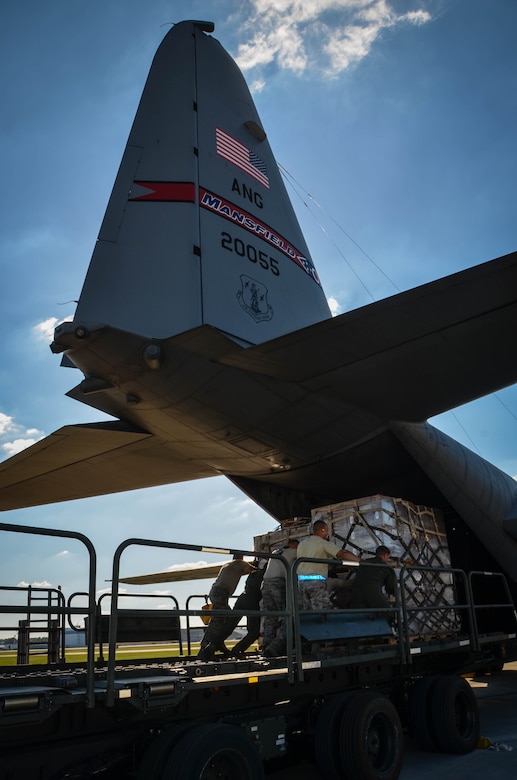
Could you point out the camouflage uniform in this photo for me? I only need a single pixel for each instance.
(273, 595)
(273, 599)
(314, 595)
(224, 586)
(249, 599)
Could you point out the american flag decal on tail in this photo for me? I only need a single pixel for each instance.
(238, 154)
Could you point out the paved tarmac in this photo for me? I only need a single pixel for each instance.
(497, 699)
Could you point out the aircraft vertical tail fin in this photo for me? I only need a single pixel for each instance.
(199, 228)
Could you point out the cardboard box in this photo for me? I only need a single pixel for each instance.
(415, 536)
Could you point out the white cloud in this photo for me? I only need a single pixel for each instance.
(349, 45)
(6, 423)
(45, 329)
(43, 584)
(295, 34)
(334, 306)
(102, 591)
(17, 445)
(257, 86)
(417, 17)
(181, 566)
(257, 52)
(19, 439)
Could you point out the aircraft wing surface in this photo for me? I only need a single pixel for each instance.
(79, 461)
(410, 356)
(176, 575)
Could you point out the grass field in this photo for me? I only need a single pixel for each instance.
(129, 652)
(124, 653)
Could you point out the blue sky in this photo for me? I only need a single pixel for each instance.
(395, 119)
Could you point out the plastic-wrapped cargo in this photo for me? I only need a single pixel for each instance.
(416, 538)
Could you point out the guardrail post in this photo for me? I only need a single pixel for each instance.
(53, 642)
(23, 642)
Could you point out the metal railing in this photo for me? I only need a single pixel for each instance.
(110, 693)
(507, 607)
(455, 588)
(64, 612)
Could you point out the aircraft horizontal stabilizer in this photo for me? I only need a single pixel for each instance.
(78, 461)
(410, 356)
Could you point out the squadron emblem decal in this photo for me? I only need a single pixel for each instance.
(253, 298)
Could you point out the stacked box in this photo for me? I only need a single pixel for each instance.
(414, 534)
